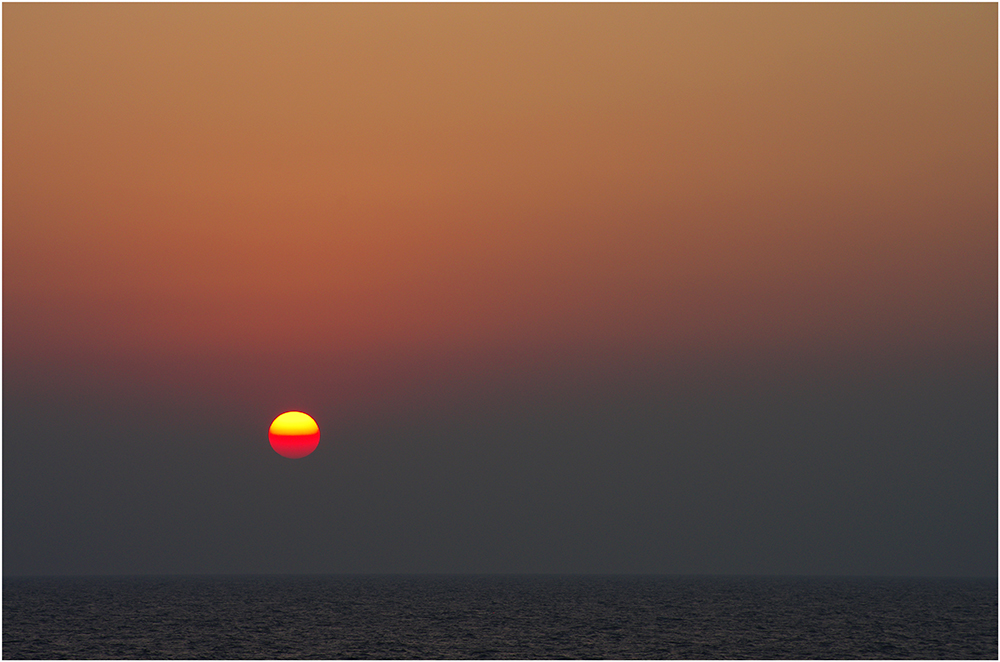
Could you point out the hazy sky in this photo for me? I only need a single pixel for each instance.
(568, 288)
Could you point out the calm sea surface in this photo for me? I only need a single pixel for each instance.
(534, 617)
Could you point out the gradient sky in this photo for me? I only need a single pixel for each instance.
(568, 288)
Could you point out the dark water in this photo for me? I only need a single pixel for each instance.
(459, 617)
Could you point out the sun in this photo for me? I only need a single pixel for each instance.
(293, 434)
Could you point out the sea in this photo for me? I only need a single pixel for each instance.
(459, 617)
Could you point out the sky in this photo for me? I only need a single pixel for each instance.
(644, 288)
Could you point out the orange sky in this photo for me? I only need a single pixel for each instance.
(372, 180)
(568, 288)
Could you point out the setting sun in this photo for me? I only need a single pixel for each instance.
(294, 434)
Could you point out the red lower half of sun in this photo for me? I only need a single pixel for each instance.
(294, 445)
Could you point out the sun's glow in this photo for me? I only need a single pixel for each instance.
(293, 434)
(294, 422)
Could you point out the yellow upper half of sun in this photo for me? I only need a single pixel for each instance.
(294, 422)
